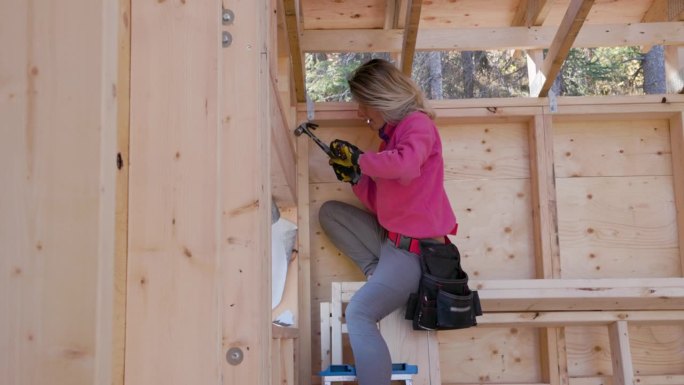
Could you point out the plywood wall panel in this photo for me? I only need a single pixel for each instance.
(617, 227)
(656, 350)
(485, 150)
(502, 355)
(495, 227)
(612, 148)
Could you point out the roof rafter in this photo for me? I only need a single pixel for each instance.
(408, 47)
(531, 13)
(565, 37)
(664, 10)
(292, 23)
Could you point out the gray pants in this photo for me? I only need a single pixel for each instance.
(395, 274)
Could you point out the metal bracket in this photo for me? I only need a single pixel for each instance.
(553, 103)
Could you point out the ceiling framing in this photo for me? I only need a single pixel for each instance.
(402, 27)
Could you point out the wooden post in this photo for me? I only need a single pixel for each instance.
(244, 145)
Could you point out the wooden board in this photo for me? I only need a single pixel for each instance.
(57, 149)
(172, 308)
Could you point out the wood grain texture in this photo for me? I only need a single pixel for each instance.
(57, 147)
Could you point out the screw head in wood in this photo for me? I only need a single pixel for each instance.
(234, 356)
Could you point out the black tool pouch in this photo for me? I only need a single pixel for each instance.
(443, 301)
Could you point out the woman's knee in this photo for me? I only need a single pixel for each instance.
(327, 213)
(359, 317)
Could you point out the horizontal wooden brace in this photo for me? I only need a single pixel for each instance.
(482, 39)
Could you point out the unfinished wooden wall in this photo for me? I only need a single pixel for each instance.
(612, 200)
(58, 90)
(198, 283)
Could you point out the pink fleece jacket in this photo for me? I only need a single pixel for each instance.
(403, 183)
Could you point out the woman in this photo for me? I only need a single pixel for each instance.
(402, 187)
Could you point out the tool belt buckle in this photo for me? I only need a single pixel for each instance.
(404, 242)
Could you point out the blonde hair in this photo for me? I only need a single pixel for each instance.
(382, 86)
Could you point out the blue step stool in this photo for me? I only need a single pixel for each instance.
(339, 373)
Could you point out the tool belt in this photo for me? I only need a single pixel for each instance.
(443, 300)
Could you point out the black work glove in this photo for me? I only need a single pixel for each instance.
(345, 154)
(346, 174)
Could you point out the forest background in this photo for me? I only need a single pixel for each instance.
(493, 74)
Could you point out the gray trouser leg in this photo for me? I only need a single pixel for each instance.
(395, 277)
(395, 272)
(354, 231)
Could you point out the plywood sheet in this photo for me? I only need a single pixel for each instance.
(501, 355)
(617, 227)
(485, 150)
(495, 227)
(612, 148)
(656, 350)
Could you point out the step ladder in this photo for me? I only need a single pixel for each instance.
(342, 373)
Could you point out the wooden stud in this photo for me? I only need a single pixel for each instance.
(623, 370)
(123, 89)
(408, 47)
(304, 260)
(677, 147)
(293, 24)
(565, 37)
(544, 197)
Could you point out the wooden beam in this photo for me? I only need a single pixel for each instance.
(408, 46)
(565, 37)
(623, 369)
(468, 39)
(293, 23)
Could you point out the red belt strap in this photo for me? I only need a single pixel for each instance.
(404, 242)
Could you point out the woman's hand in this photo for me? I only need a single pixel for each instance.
(345, 153)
